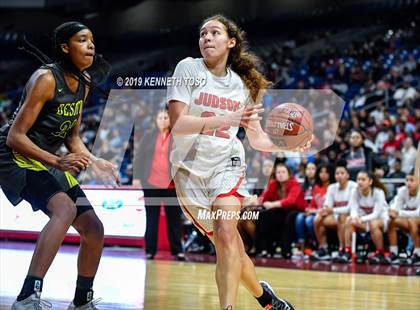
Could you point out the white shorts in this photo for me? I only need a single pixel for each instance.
(195, 193)
(385, 218)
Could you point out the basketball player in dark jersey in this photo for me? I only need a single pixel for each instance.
(48, 116)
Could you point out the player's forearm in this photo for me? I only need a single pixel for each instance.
(409, 213)
(24, 146)
(76, 145)
(369, 217)
(260, 141)
(188, 124)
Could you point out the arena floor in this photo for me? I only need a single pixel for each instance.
(126, 280)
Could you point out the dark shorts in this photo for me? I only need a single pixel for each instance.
(41, 186)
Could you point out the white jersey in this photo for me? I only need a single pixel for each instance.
(371, 207)
(408, 206)
(338, 199)
(207, 153)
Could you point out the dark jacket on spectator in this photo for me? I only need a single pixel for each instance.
(372, 161)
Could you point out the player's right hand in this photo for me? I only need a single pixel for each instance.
(242, 117)
(74, 162)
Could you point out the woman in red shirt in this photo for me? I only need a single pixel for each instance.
(282, 200)
(153, 169)
(324, 176)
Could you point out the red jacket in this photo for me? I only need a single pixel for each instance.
(294, 199)
(318, 196)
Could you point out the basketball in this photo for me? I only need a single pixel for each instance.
(289, 126)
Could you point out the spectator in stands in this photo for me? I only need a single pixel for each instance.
(305, 220)
(392, 144)
(309, 182)
(334, 212)
(282, 200)
(395, 174)
(404, 93)
(368, 213)
(266, 172)
(405, 215)
(152, 173)
(409, 155)
(359, 157)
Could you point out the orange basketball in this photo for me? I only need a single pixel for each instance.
(289, 126)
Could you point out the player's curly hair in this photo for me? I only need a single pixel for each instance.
(241, 60)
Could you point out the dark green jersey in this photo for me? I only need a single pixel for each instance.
(53, 125)
(58, 115)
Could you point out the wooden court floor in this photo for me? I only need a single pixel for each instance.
(127, 281)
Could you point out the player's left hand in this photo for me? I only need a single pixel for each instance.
(105, 171)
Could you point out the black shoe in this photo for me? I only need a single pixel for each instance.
(414, 260)
(345, 258)
(393, 259)
(150, 256)
(378, 258)
(180, 257)
(338, 258)
(321, 254)
(276, 303)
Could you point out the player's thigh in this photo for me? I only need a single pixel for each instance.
(360, 227)
(330, 222)
(402, 223)
(376, 224)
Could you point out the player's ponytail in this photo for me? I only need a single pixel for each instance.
(241, 61)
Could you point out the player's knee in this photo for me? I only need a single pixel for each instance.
(94, 232)
(348, 224)
(226, 236)
(373, 225)
(342, 218)
(63, 208)
(317, 220)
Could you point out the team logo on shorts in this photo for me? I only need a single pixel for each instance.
(236, 161)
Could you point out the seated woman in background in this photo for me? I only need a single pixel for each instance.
(405, 215)
(304, 220)
(334, 212)
(309, 183)
(368, 213)
(247, 227)
(282, 200)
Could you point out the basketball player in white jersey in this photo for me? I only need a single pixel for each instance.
(208, 160)
(368, 213)
(334, 212)
(405, 215)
